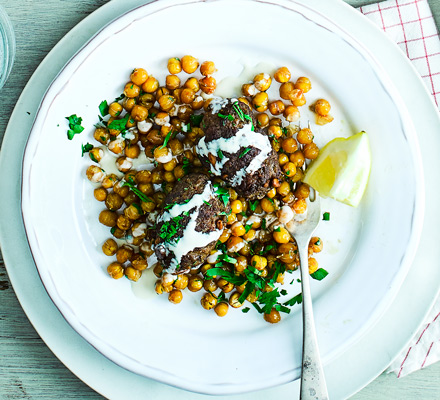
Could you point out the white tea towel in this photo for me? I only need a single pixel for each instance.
(411, 25)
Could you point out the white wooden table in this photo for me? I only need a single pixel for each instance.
(28, 369)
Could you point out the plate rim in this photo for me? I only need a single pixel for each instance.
(5, 135)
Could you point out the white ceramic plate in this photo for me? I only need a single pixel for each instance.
(65, 242)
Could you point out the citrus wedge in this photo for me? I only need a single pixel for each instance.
(342, 169)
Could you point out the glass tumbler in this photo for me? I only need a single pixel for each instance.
(7, 46)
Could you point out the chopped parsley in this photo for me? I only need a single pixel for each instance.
(245, 151)
(103, 108)
(207, 203)
(247, 227)
(253, 205)
(245, 310)
(170, 228)
(85, 148)
(186, 166)
(326, 216)
(119, 124)
(226, 258)
(263, 223)
(196, 119)
(74, 125)
(319, 274)
(294, 300)
(220, 154)
(223, 194)
(122, 96)
(136, 191)
(230, 117)
(167, 139)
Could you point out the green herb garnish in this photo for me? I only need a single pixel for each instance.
(223, 194)
(136, 191)
(230, 117)
(119, 124)
(226, 258)
(253, 205)
(220, 154)
(103, 108)
(245, 151)
(196, 119)
(294, 300)
(245, 310)
(170, 228)
(85, 148)
(319, 274)
(167, 139)
(326, 216)
(74, 125)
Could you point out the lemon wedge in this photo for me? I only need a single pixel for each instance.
(342, 169)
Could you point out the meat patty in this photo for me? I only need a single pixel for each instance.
(235, 149)
(190, 225)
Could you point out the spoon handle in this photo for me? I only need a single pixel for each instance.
(313, 384)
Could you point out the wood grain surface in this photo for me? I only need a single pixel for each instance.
(28, 369)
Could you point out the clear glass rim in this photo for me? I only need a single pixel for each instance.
(8, 43)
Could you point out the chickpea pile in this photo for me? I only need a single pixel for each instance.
(163, 122)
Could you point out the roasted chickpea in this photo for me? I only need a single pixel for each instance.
(303, 83)
(267, 205)
(210, 285)
(208, 84)
(275, 131)
(95, 174)
(249, 89)
(175, 296)
(101, 135)
(207, 68)
(208, 301)
(124, 253)
(117, 146)
(197, 104)
(158, 287)
(262, 81)
(260, 101)
(174, 65)
(276, 107)
(221, 309)
(281, 235)
(289, 168)
(297, 158)
(322, 107)
(187, 96)
(114, 109)
(282, 75)
(131, 90)
(150, 85)
(115, 270)
(302, 191)
(139, 76)
(262, 120)
(133, 211)
(100, 194)
(172, 82)
(132, 274)
(195, 283)
(132, 151)
(286, 89)
(237, 229)
(259, 262)
(313, 265)
(305, 136)
(189, 64)
(284, 189)
(297, 97)
(237, 206)
(300, 206)
(276, 122)
(139, 113)
(233, 300)
(291, 113)
(311, 151)
(288, 253)
(109, 247)
(316, 244)
(166, 102)
(124, 164)
(118, 233)
(108, 218)
(289, 145)
(181, 281)
(128, 104)
(273, 317)
(114, 201)
(225, 235)
(283, 159)
(234, 244)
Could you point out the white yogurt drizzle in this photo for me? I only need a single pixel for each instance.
(243, 138)
(190, 238)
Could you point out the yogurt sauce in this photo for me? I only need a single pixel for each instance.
(190, 237)
(243, 138)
